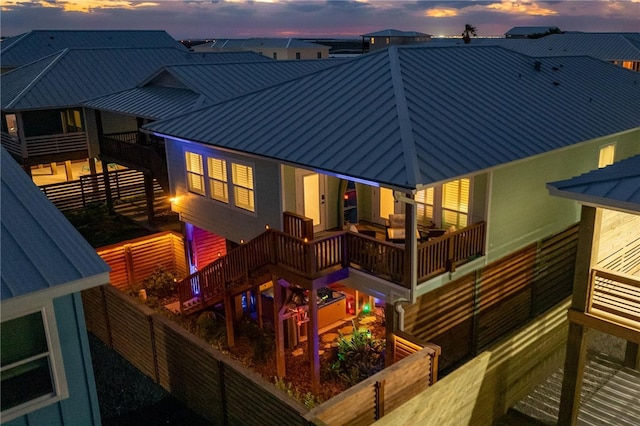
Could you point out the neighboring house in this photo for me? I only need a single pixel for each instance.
(411, 133)
(275, 48)
(29, 47)
(530, 32)
(622, 49)
(174, 90)
(385, 38)
(606, 292)
(47, 376)
(42, 121)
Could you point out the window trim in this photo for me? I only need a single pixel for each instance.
(56, 363)
(188, 173)
(438, 206)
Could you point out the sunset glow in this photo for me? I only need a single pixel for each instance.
(521, 8)
(441, 13)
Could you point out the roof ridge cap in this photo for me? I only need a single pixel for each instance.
(37, 78)
(404, 120)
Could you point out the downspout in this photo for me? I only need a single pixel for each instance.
(400, 311)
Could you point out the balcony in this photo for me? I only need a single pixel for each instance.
(309, 263)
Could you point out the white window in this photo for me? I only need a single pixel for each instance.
(606, 155)
(243, 187)
(218, 184)
(31, 363)
(445, 205)
(195, 173)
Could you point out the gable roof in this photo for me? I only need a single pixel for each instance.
(195, 86)
(412, 116)
(72, 75)
(395, 33)
(41, 251)
(616, 186)
(28, 47)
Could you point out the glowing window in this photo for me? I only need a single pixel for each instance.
(373, 40)
(606, 155)
(424, 204)
(218, 186)
(455, 203)
(195, 173)
(243, 193)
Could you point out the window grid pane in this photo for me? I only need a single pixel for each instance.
(195, 172)
(455, 203)
(243, 186)
(217, 170)
(424, 204)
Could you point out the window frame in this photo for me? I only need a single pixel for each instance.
(252, 189)
(189, 173)
(438, 207)
(603, 155)
(55, 361)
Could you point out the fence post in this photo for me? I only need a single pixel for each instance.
(84, 201)
(128, 261)
(379, 407)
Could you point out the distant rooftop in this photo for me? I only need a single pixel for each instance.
(28, 47)
(526, 31)
(256, 43)
(395, 33)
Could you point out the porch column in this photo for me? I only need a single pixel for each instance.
(278, 326)
(68, 170)
(411, 243)
(588, 240)
(312, 340)
(149, 197)
(632, 356)
(24, 153)
(390, 317)
(107, 185)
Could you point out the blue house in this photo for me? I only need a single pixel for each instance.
(47, 377)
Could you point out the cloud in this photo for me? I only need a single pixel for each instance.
(441, 13)
(516, 7)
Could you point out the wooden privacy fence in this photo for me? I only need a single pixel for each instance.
(224, 391)
(467, 315)
(369, 400)
(135, 260)
(76, 194)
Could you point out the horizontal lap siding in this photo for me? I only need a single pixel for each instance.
(414, 378)
(250, 403)
(207, 246)
(130, 332)
(152, 254)
(188, 370)
(119, 276)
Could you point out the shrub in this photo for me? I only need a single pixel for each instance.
(210, 328)
(160, 284)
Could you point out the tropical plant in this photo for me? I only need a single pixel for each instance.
(359, 356)
(160, 284)
(469, 30)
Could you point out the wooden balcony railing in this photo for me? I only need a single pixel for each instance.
(124, 147)
(313, 259)
(55, 144)
(615, 296)
(297, 225)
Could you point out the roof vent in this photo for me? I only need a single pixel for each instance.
(537, 65)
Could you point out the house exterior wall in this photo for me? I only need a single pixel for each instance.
(219, 218)
(521, 210)
(81, 407)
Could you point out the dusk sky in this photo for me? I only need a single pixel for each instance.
(316, 18)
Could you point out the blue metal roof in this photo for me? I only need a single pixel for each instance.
(179, 88)
(616, 186)
(41, 250)
(28, 47)
(72, 75)
(255, 43)
(524, 31)
(411, 116)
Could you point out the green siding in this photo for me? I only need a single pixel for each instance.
(521, 209)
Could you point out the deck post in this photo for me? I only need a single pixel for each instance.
(312, 340)
(390, 316)
(229, 318)
(279, 328)
(149, 197)
(632, 356)
(588, 239)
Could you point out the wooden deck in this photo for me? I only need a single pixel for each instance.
(320, 261)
